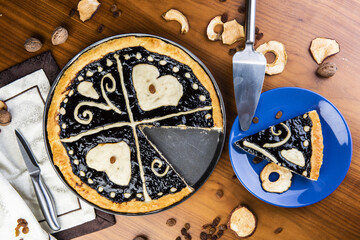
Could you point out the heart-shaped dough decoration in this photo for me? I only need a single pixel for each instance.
(153, 91)
(113, 159)
(86, 89)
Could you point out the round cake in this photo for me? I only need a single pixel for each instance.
(99, 107)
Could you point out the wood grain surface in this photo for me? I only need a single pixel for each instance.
(294, 23)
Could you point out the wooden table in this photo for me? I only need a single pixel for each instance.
(294, 23)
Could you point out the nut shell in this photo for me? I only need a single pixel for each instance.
(32, 44)
(5, 117)
(3, 105)
(59, 36)
(326, 70)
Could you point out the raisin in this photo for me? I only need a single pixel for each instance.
(255, 120)
(178, 238)
(278, 115)
(183, 231)
(219, 193)
(259, 36)
(171, 222)
(212, 230)
(220, 233)
(278, 230)
(224, 17)
(187, 226)
(257, 160)
(101, 28)
(242, 8)
(232, 51)
(72, 12)
(25, 230)
(215, 222)
(203, 236)
(205, 226)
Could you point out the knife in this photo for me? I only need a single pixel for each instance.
(43, 195)
(248, 72)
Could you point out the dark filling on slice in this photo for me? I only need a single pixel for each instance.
(297, 139)
(189, 101)
(99, 178)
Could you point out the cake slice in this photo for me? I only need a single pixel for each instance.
(296, 144)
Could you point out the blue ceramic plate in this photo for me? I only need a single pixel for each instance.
(337, 147)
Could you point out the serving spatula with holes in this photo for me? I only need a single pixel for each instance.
(248, 72)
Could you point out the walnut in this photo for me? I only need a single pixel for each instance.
(5, 117)
(32, 44)
(326, 70)
(59, 35)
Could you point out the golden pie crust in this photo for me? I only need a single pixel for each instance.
(60, 155)
(317, 146)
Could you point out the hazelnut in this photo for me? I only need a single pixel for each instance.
(5, 117)
(59, 36)
(326, 70)
(32, 44)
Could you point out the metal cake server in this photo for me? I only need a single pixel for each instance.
(43, 195)
(248, 72)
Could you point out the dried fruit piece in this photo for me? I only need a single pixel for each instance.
(87, 9)
(282, 184)
(216, 222)
(72, 12)
(5, 117)
(140, 238)
(322, 48)
(242, 221)
(278, 49)
(59, 36)
(224, 17)
(219, 193)
(101, 28)
(203, 236)
(233, 32)
(278, 114)
(187, 226)
(212, 230)
(183, 231)
(32, 44)
(278, 230)
(257, 160)
(173, 14)
(255, 120)
(326, 70)
(210, 30)
(171, 222)
(178, 238)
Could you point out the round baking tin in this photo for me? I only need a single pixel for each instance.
(210, 167)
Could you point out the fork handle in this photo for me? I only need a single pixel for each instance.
(250, 22)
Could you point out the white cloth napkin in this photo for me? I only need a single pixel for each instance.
(25, 99)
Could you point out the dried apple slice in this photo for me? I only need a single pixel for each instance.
(173, 14)
(242, 221)
(282, 184)
(278, 49)
(233, 32)
(322, 48)
(87, 9)
(210, 30)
